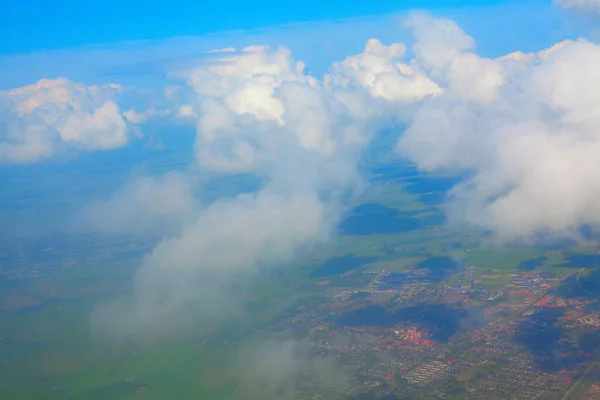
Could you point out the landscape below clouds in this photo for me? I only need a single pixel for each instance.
(243, 182)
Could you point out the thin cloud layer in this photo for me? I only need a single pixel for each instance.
(284, 367)
(580, 5)
(147, 206)
(48, 116)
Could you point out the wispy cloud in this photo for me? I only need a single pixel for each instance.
(146, 206)
(580, 5)
(285, 367)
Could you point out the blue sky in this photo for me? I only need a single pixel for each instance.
(135, 43)
(33, 25)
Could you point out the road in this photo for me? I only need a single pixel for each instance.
(573, 389)
(593, 364)
(580, 286)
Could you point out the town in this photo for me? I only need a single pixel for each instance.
(535, 338)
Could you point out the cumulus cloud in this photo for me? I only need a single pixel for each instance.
(580, 5)
(378, 68)
(258, 112)
(39, 119)
(528, 149)
(443, 61)
(242, 106)
(252, 104)
(446, 53)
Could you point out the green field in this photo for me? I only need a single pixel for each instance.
(50, 351)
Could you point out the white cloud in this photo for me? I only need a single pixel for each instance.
(102, 129)
(40, 118)
(135, 117)
(443, 62)
(528, 146)
(186, 110)
(223, 50)
(144, 116)
(378, 69)
(250, 104)
(256, 112)
(445, 52)
(193, 270)
(580, 5)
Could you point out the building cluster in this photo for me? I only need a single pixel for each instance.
(526, 346)
(593, 392)
(429, 372)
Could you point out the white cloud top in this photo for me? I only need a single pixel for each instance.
(378, 69)
(249, 104)
(40, 118)
(530, 151)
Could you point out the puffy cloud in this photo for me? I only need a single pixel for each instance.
(252, 103)
(445, 52)
(528, 150)
(102, 129)
(186, 110)
(39, 118)
(378, 69)
(443, 61)
(580, 5)
(517, 56)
